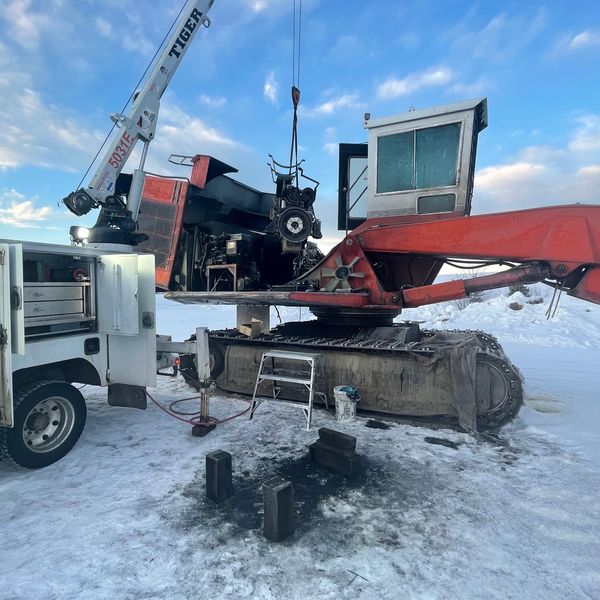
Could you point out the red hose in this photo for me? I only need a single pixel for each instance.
(194, 416)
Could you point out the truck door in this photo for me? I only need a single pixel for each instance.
(6, 392)
(126, 313)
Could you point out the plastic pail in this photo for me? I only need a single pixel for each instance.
(346, 398)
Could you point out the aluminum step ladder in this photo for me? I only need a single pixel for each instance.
(267, 361)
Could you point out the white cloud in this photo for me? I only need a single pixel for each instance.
(587, 135)
(212, 101)
(329, 107)
(502, 177)
(589, 171)
(105, 28)
(18, 211)
(544, 175)
(331, 145)
(570, 43)
(271, 88)
(331, 148)
(24, 25)
(36, 132)
(480, 87)
(584, 39)
(395, 88)
(259, 5)
(268, 6)
(181, 133)
(503, 37)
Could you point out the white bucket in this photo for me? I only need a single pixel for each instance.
(346, 398)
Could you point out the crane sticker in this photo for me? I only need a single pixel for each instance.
(186, 33)
(121, 150)
(146, 119)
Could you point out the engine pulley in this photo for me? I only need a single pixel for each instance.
(294, 225)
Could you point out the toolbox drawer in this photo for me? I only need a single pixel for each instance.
(56, 308)
(47, 292)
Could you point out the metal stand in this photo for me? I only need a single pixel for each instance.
(308, 382)
(201, 353)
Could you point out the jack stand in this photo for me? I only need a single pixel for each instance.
(205, 425)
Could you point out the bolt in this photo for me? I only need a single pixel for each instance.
(561, 268)
(349, 242)
(396, 298)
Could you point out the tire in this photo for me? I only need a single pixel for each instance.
(187, 366)
(49, 417)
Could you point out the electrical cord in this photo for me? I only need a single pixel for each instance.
(194, 417)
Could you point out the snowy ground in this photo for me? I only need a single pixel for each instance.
(123, 515)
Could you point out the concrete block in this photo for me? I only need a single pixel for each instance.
(343, 462)
(337, 439)
(218, 476)
(278, 499)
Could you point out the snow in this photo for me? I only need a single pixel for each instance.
(124, 514)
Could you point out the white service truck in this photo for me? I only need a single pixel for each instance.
(85, 313)
(69, 315)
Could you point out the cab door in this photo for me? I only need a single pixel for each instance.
(6, 391)
(352, 186)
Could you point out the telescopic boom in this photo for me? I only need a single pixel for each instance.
(140, 122)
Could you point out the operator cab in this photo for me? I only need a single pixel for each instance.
(417, 163)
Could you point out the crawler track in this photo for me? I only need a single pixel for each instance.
(405, 379)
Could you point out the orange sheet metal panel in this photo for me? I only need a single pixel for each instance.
(565, 234)
(161, 218)
(589, 287)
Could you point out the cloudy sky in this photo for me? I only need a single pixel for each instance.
(66, 64)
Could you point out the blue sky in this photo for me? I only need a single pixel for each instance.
(66, 64)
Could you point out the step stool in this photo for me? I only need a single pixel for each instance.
(274, 377)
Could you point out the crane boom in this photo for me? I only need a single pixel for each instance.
(140, 122)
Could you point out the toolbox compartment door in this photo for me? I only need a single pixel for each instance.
(132, 357)
(117, 294)
(6, 391)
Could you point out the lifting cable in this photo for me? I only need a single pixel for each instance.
(135, 89)
(296, 44)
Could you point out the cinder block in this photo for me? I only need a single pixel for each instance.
(337, 439)
(218, 476)
(278, 499)
(343, 462)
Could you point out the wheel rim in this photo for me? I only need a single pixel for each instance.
(48, 424)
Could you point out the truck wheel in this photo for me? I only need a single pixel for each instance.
(49, 417)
